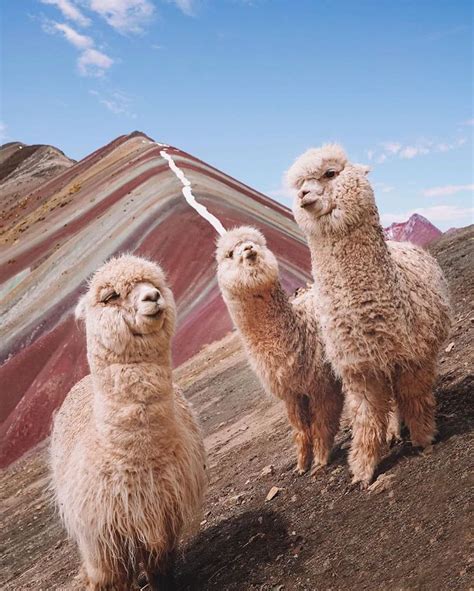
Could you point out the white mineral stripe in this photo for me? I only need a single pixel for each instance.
(188, 195)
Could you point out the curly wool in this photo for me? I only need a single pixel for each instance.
(127, 455)
(383, 306)
(282, 341)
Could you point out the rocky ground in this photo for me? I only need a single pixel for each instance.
(410, 532)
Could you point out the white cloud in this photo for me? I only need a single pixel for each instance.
(447, 215)
(392, 147)
(126, 16)
(116, 102)
(384, 188)
(389, 150)
(469, 122)
(409, 152)
(447, 190)
(94, 63)
(70, 11)
(91, 62)
(186, 6)
(71, 35)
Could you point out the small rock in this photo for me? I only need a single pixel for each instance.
(382, 483)
(449, 348)
(203, 522)
(293, 498)
(267, 470)
(238, 498)
(272, 493)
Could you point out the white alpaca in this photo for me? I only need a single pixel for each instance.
(282, 341)
(127, 456)
(383, 306)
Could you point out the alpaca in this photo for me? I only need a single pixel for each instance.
(383, 306)
(282, 342)
(127, 456)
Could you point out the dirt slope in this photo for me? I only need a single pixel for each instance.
(316, 534)
(23, 169)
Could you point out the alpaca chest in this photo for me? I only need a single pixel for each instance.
(137, 504)
(358, 328)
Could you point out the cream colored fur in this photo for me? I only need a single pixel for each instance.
(127, 455)
(383, 306)
(282, 341)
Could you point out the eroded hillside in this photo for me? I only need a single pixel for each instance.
(409, 533)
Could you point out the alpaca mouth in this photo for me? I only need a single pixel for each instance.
(250, 255)
(153, 314)
(308, 203)
(317, 208)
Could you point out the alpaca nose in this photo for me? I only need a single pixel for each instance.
(249, 252)
(151, 295)
(303, 193)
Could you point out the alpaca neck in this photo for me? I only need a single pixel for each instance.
(131, 402)
(261, 315)
(358, 261)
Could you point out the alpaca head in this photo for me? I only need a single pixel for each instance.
(129, 311)
(332, 196)
(244, 263)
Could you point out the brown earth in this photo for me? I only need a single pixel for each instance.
(409, 533)
(23, 169)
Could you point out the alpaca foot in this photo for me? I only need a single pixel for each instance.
(304, 461)
(393, 436)
(361, 483)
(423, 442)
(363, 475)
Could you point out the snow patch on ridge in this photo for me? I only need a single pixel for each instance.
(188, 195)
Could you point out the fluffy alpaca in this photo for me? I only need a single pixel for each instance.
(383, 306)
(282, 342)
(127, 456)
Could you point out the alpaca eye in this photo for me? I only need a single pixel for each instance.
(230, 254)
(329, 174)
(110, 297)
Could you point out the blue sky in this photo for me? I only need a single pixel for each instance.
(248, 85)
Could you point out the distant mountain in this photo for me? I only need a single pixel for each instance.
(23, 169)
(416, 229)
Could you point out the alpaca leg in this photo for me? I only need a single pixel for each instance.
(102, 572)
(299, 416)
(394, 423)
(369, 398)
(326, 410)
(417, 403)
(161, 574)
(347, 416)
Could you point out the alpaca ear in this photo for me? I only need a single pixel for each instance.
(80, 311)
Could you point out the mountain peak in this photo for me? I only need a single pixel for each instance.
(417, 229)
